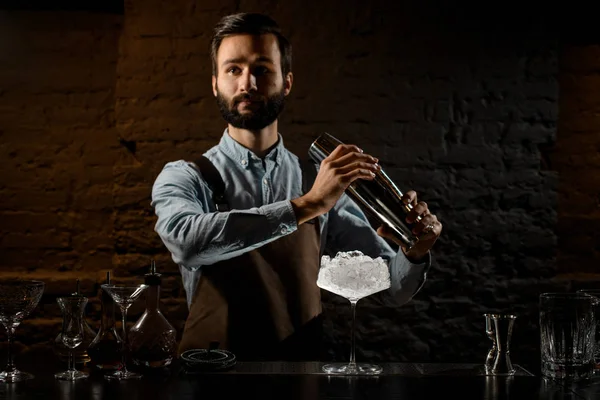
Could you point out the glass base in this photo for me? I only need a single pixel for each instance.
(352, 369)
(70, 375)
(567, 370)
(122, 375)
(15, 376)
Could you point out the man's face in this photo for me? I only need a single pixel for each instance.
(249, 86)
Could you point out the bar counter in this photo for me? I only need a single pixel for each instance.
(281, 380)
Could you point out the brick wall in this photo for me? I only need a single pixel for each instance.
(455, 105)
(59, 147)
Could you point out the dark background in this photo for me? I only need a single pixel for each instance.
(489, 110)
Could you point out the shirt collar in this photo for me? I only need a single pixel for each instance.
(243, 155)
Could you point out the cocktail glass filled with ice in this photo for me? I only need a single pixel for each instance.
(353, 276)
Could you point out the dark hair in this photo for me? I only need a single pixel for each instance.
(252, 24)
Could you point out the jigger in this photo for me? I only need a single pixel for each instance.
(490, 332)
(498, 361)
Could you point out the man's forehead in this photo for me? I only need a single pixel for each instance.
(248, 46)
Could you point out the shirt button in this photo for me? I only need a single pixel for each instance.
(244, 162)
(265, 181)
(283, 231)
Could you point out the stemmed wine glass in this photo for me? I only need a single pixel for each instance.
(352, 368)
(124, 296)
(17, 299)
(353, 276)
(72, 332)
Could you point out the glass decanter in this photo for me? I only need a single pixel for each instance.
(152, 339)
(105, 349)
(80, 354)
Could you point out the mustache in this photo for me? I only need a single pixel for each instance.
(247, 97)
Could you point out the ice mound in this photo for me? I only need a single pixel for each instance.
(353, 275)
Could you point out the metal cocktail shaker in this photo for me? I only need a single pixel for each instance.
(380, 197)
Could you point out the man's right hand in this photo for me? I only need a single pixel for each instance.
(343, 166)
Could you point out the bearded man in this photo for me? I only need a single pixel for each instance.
(249, 221)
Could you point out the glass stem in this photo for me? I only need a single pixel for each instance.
(352, 334)
(10, 333)
(124, 345)
(71, 361)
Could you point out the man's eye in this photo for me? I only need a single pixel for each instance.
(261, 70)
(233, 70)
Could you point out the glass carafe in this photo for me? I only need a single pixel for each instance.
(80, 354)
(152, 339)
(105, 349)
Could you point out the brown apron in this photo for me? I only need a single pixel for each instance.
(262, 305)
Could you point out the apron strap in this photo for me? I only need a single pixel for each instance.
(309, 174)
(215, 182)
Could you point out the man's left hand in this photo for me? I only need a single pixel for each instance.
(428, 229)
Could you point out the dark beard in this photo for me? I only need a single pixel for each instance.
(264, 116)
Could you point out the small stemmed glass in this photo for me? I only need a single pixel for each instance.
(17, 299)
(72, 333)
(124, 296)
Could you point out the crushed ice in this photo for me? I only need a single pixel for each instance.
(353, 275)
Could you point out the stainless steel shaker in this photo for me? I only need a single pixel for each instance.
(380, 197)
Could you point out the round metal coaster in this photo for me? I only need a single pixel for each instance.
(202, 360)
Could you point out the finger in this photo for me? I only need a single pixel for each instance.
(383, 231)
(419, 209)
(427, 224)
(410, 197)
(432, 230)
(355, 174)
(357, 165)
(352, 157)
(386, 232)
(343, 149)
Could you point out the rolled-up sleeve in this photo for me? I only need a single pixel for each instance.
(196, 234)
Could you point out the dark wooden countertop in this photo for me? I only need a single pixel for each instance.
(284, 381)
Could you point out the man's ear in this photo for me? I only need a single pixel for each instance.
(214, 85)
(287, 83)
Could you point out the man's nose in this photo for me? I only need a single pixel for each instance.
(247, 82)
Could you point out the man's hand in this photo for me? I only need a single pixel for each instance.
(428, 229)
(343, 166)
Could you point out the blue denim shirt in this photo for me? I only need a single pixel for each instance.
(258, 192)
